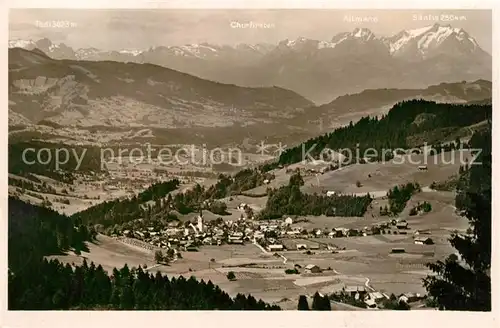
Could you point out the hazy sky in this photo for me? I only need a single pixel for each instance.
(141, 29)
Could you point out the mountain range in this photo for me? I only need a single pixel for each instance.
(108, 96)
(318, 70)
(105, 93)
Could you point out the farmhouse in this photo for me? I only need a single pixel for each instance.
(370, 303)
(301, 246)
(376, 296)
(409, 297)
(277, 247)
(312, 268)
(360, 291)
(314, 246)
(402, 225)
(338, 232)
(423, 241)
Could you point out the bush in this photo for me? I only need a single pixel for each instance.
(231, 276)
(219, 208)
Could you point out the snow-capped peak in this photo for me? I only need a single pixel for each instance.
(132, 52)
(292, 43)
(21, 43)
(359, 34)
(363, 33)
(427, 38)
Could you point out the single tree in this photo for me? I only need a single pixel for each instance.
(318, 303)
(158, 257)
(303, 304)
(231, 276)
(327, 306)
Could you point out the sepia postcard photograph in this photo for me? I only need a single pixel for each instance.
(273, 159)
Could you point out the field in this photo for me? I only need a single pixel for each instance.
(378, 178)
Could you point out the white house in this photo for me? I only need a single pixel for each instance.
(258, 235)
(423, 241)
(288, 221)
(274, 248)
(200, 223)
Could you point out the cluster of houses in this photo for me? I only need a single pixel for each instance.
(374, 299)
(190, 235)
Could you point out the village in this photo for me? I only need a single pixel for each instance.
(363, 261)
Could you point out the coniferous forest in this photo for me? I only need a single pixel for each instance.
(464, 282)
(405, 120)
(289, 200)
(120, 211)
(34, 283)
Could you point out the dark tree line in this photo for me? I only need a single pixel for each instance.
(200, 197)
(158, 190)
(61, 287)
(400, 195)
(465, 284)
(289, 200)
(35, 231)
(392, 131)
(42, 187)
(425, 207)
(319, 303)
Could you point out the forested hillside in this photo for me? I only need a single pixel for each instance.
(398, 129)
(119, 211)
